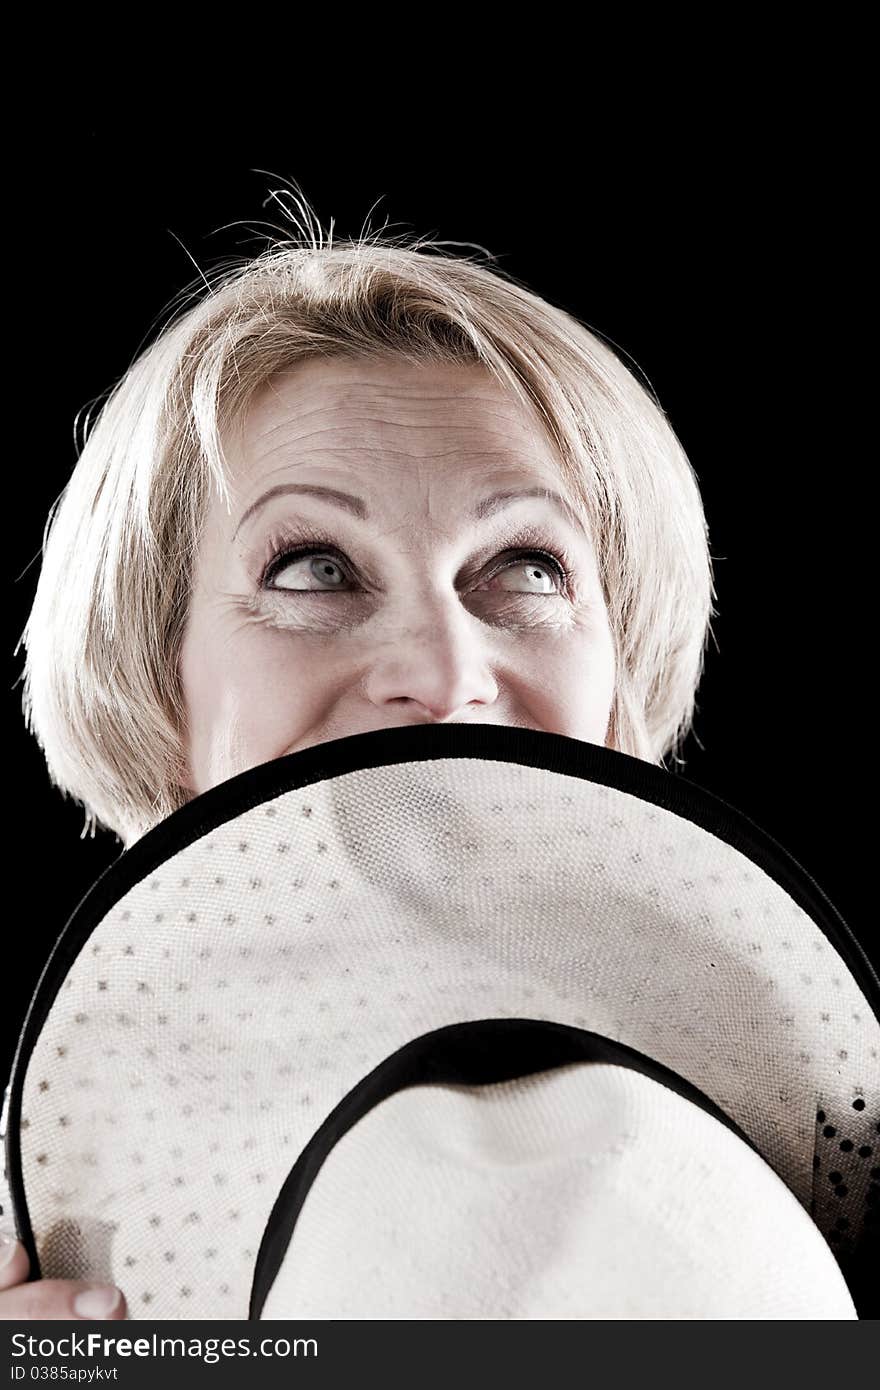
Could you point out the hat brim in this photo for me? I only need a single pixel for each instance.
(243, 967)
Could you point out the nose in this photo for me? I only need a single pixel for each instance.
(434, 669)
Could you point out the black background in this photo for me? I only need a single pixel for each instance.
(720, 254)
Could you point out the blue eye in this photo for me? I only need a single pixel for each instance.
(331, 571)
(323, 572)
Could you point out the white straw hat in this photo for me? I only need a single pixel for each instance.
(453, 1022)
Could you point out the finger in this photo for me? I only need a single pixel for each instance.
(13, 1262)
(62, 1299)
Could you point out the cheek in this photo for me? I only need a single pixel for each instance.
(246, 702)
(572, 684)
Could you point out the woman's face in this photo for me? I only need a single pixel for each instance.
(422, 600)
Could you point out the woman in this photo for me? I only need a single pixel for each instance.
(356, 487)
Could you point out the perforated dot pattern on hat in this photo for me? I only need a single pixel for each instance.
(229, 1001)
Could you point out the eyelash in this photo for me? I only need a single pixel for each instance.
(283, 547)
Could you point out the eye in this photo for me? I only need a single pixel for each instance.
(323, 569)
(325, 573)
(535, 568)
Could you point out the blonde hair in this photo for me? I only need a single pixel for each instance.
(102, 690)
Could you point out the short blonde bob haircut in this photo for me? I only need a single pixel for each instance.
(102, 690)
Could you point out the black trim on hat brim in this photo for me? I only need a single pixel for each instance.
(479, 1053)
(386, 747)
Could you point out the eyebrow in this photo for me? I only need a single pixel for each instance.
(358, 507)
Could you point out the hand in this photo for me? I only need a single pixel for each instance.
(45, 1300)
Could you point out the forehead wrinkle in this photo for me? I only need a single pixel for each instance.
(294, 437)
(476, 393)
(509, 419)
(531, 461)
(339, 465)
(467, 381)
